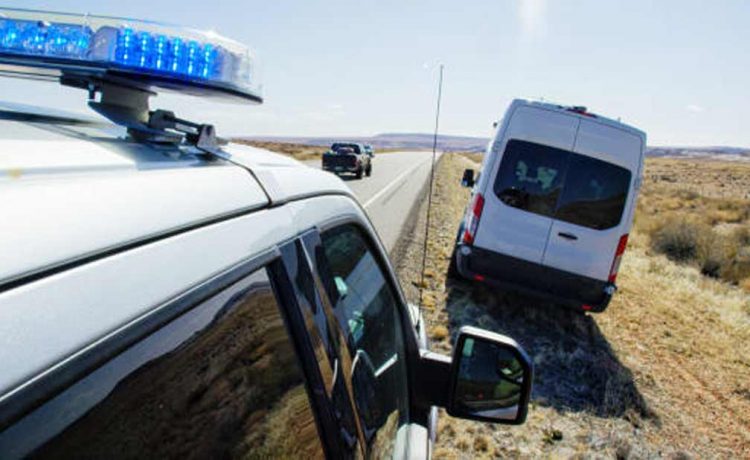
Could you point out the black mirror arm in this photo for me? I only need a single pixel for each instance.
(432, 379)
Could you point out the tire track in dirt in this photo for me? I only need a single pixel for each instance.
(738, 423)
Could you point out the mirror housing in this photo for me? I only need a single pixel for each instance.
(456, 384)
(468, 179)
(490, 378)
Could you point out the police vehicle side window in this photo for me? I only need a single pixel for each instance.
(332, 362)
(531, 176)
(221, 380)
(594, 194)
(367, 311)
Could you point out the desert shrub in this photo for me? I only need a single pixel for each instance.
(741, 235)
(745, 284)
(715, 253)
(688, 240)
(737, 269)
(679, 238)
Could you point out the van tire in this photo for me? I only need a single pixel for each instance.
(453, 273)
(358, 174)
(368, 171)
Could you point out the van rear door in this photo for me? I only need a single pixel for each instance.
(595, 208)
(520, 195)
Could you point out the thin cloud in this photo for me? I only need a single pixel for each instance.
(694, 108)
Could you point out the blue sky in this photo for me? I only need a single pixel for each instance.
(679, 70)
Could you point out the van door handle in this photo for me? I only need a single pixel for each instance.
(567, 236)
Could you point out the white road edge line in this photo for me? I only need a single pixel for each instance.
(392, 183)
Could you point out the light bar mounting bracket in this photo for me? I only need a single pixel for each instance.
(129, 107)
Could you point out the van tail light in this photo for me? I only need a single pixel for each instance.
(472, 218)
(618, 257)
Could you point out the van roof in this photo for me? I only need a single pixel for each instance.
(73, 188)
(580, 112)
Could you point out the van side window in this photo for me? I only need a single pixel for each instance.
(221, 380)
(594, 194)
(367, 312)
(531, 176)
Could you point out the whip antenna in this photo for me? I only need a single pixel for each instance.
(429, 193)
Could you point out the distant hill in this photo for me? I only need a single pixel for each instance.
(419, 141)
(407, 141)
(716, 153)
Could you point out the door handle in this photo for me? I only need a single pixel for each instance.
(567, 236)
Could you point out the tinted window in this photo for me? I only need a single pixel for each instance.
(367, 312)
(221, 380)
(328, 346)
(531, 176)
(353, 147)
(567, 186)
(594, 194)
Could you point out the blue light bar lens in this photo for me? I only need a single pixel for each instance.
(129, 45)
(162, 53)
(45, 39)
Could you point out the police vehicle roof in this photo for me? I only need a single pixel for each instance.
(73, 187)
(77, 191)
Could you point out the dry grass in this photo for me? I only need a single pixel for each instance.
(473, 156)
(299, 152)
(715, 179)
(697, 213)
(665, 371)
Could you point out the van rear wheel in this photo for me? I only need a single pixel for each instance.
(358, 174)
(453, 273)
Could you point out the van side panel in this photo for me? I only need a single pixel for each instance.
(592, 251)
(505, 229)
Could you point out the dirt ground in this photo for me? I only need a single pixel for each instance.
(664, 372)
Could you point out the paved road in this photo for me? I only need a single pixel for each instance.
(388, 195)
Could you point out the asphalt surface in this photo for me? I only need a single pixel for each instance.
(390, 192)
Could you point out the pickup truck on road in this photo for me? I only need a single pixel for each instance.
(348, 157)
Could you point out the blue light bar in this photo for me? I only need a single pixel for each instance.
(165, 56)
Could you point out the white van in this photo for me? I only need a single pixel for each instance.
(551, 211)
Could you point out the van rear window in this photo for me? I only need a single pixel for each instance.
(594, 194)
(561, 184)
(531, 177)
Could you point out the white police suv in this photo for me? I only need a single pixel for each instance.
(164, 294)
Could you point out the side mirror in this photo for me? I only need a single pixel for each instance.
(490, 378)
(468, 179)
